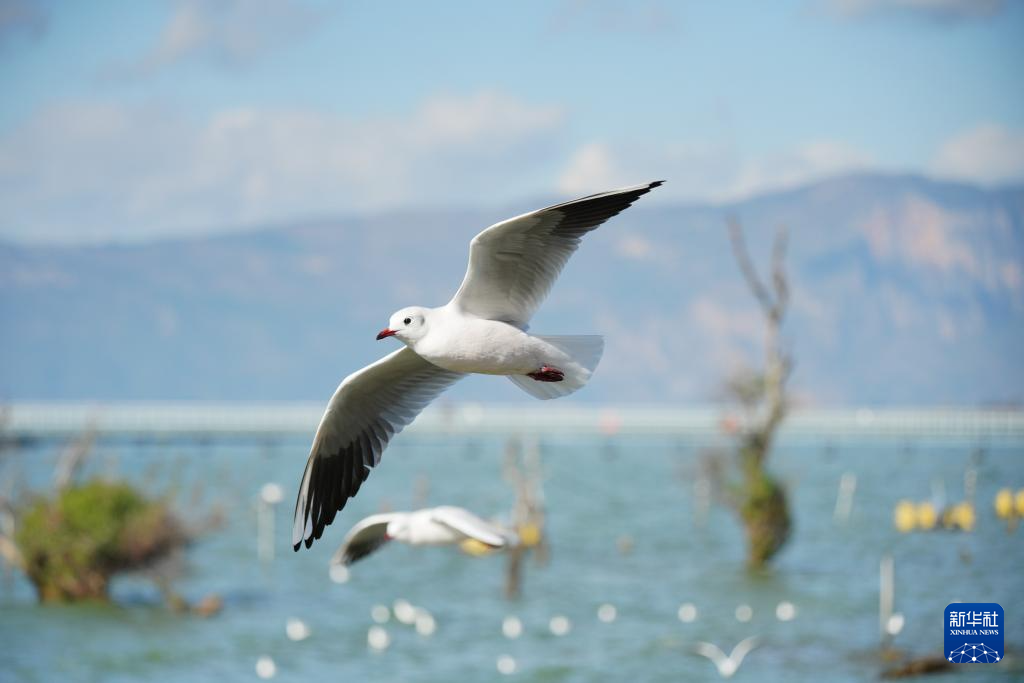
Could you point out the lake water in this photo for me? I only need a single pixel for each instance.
(597, 492)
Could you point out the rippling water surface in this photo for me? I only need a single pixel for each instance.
(597, 492)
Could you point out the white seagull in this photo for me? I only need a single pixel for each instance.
(444, 525)
(727, 666)
(512, 266)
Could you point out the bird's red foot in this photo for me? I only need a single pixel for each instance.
(547, 374)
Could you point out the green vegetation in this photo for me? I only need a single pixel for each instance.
(75, 540)
(759, 499)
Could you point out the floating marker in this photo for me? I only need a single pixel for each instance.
(506, 665)
(785, 611)
(404, 611)
(271, 493)
(338, 573)
(265, 667)
(377, 638)
(560, 625)
(1004, 503)
(425, 624)
(296, 629)
(380, 614)
(512, 627)
(744, 613)
(607, 613)
(895, 624)
(905, 516)
(687, 612)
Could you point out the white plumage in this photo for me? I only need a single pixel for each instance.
(483, 329)
(444, 525)
(727, 666)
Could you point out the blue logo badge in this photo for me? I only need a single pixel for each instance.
(974, 632)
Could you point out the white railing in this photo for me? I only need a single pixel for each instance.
(232, 419)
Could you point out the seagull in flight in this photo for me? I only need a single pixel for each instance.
(483, 329)
(727, 666)
(446, 525)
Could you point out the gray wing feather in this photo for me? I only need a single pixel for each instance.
(513, 264)
(368, 408)
(469, 524)
(365, 537)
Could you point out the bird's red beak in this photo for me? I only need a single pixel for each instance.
(385, 333)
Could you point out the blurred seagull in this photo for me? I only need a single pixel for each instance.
(512, 266)
(727, 666)
(445, 525)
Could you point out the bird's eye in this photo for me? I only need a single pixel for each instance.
(407, 321)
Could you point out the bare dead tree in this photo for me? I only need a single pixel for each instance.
(760, 500)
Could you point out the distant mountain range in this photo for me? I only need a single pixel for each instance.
(905, 291)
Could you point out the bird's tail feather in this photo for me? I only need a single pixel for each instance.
(582, 354)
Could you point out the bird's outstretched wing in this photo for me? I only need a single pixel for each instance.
(711, 651)
(365, 537)
(465, 522)
(368, 408)
(743, 648)
(513, 264)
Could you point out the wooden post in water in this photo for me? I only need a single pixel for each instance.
(522, 470)
(844, 499)
(886, 596)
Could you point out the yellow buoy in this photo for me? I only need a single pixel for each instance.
(926, 515)
(905, 516)
(1004, 503)
(1019, 500)
(963, 516)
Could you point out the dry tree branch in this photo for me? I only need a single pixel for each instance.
(739, 250)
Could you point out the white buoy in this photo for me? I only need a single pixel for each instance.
(507, 665)
(607, 613)
(265, 667)
(425, 623)
(272, 493)
(895, 624)
(296, 629)
(377, 638)
(404, 611)
(512, 627)
(687, 612)
(785, 611)
(744, 613)
(560, 625)
(380, 614)
(339, 573)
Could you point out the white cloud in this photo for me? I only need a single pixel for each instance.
(793, 167)
(988, 154)
(86, 171)
(226, 33)
(941, 10)
(591, 166)
(707, 171)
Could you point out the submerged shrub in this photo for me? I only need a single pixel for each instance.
(74, 541)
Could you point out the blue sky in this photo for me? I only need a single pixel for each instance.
(132, 120)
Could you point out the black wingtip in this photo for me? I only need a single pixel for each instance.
(296, 546)
(656, 183)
